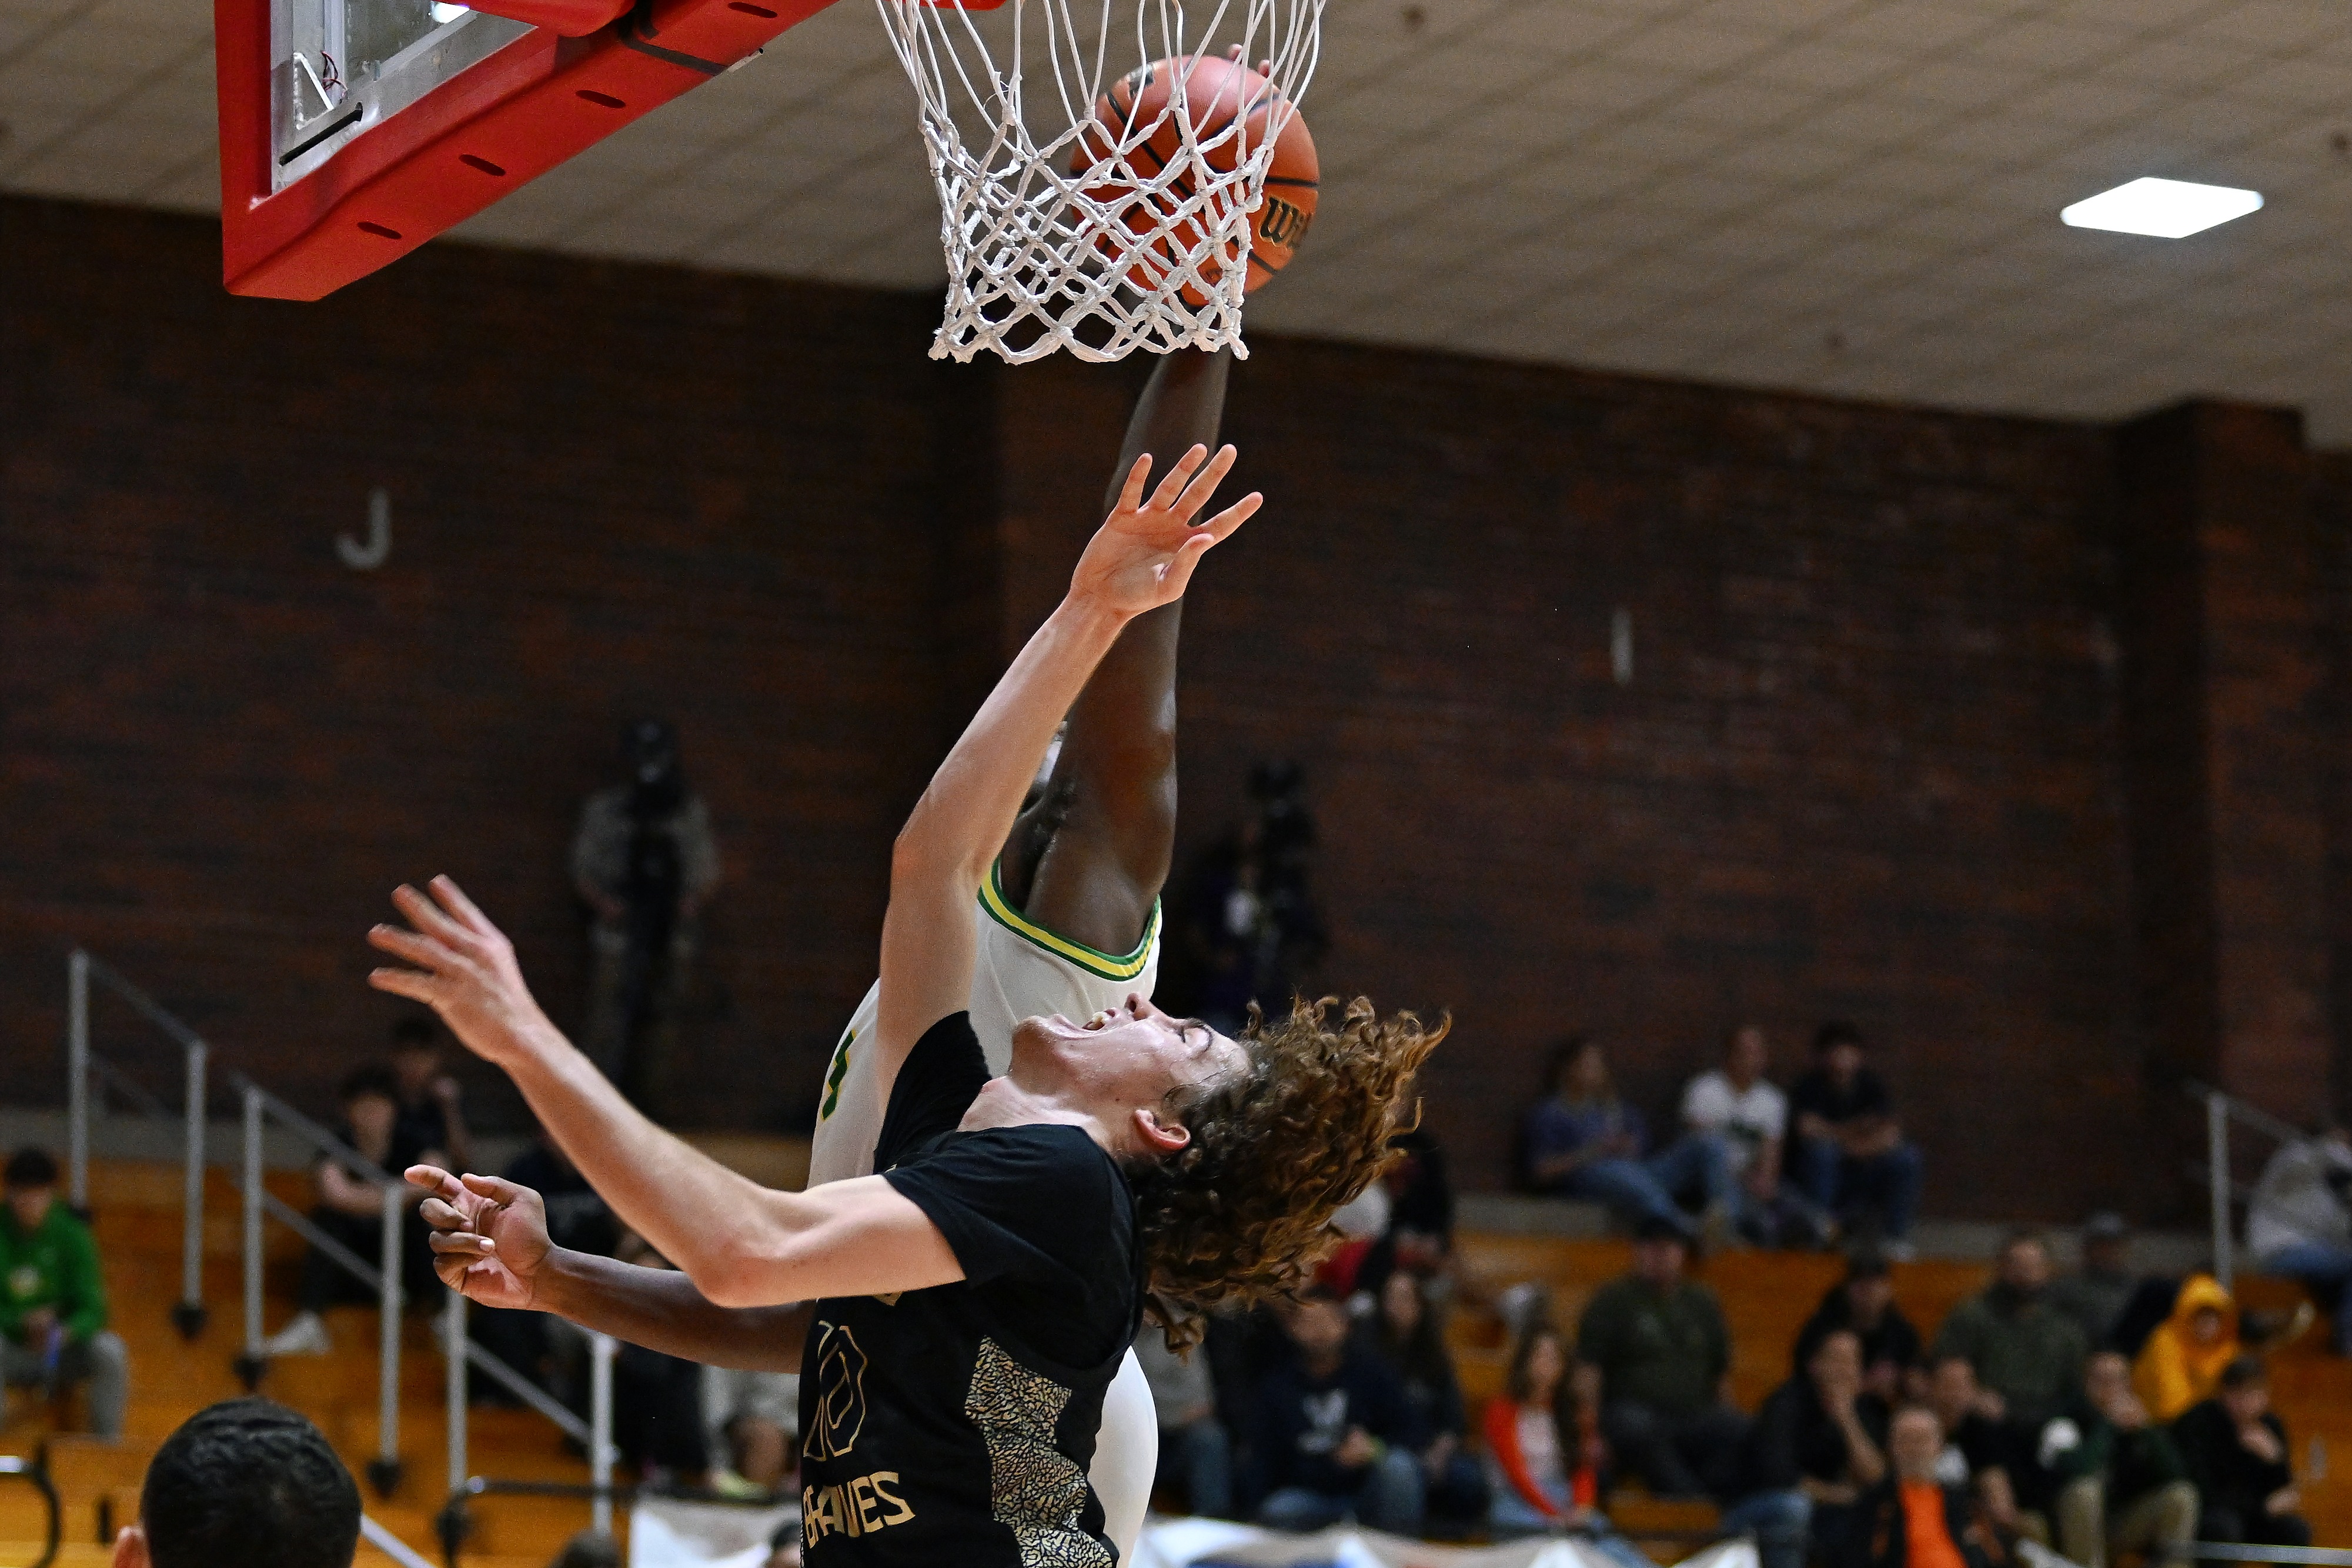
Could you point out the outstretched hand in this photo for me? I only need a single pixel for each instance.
(464, 969)
(1143, 555)
(490, 1235)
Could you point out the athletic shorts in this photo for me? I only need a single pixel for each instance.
(1021, 970)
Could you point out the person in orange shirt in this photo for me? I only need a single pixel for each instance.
(1543, 1436)
(2181, 1362)
(1914, 1521)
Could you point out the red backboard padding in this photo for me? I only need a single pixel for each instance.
(474, 139)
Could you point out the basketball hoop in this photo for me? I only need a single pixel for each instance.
(1120, 218)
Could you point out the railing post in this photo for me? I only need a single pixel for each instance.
(453, 1352)
(189, 1313)
(78, 1078)
(601, 1349)
(2217, 1165)
(384, 1469)
(250, 1364)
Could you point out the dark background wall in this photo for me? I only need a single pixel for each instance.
(1872, 761)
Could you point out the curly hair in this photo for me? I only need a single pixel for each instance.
(1243, 1212)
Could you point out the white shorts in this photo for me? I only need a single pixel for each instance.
(1021, 970)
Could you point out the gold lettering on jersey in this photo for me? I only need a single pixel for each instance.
(854, 1508)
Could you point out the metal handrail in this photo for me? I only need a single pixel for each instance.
(392, 1545)
(34, 1472)
(81, 970)
(2222, 1108)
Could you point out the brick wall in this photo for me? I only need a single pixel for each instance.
(1870, 762)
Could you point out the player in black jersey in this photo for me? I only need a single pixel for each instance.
(966, 1306)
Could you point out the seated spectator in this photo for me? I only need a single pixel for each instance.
(1818, 1445)
(1851, 1157)
(431, 1115)
(1336, 1433)
(1910, 1520)
(2095, 1294)
(1659, 1343)
(350, 1210)
(1405, 1333)
(2181, 1362)
(1419, 1236)
(242, 1483)
(2235, 1448)
(2300, 1222)
(2121, 1487)
(1740, 1107)
(1979, 1453)
(1551, 1463)
(2026, 1354)
(1864, 1301)
(53, 1333)
(1195, 1453)
(752, 1420)
(1582, 1141)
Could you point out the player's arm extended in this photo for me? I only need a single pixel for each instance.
(860, 1238)
(1104, 865)
(1139, 560)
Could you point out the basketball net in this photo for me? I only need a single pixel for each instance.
(1063, 233)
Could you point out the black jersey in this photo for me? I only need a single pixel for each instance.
(955, 1424)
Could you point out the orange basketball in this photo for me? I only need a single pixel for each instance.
(1217, 92)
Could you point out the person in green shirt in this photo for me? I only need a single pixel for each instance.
(52, 1300)
(1663, 1351)
(2028, 1354)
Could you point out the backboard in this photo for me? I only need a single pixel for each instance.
(354, 131)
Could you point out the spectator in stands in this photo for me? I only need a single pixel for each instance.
(432, 1114)
(1247, 925)
(1405, 1332)
(1582, 1141)
(53, 1332)
(1195, 1453)
(1551, 1463)
(1336, 1433)
(1420, 1235)
(1850, 1155)
(2095, 1294)
(350, 1210)
(2121, 1487)
(241, 1483)
(1910, 1520)
(1740, 1107)
(2235, 1448)
(2182, 1362)
(2300, 1221)
(1864, 1302)
(2026, 1354)
(752, 1420)
(644, 861)
(1818, 1445)
(1979, 1453)
(1663, 1354)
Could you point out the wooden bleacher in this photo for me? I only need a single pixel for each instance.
(1766, 1296)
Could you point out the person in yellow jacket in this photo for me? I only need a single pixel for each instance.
(2181, 1362)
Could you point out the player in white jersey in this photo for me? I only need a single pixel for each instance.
(1069, 923)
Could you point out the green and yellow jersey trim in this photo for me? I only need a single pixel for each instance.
(1106, 966)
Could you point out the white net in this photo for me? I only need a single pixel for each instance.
(1102, 219)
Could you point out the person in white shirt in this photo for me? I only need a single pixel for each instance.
(2300, 1221)
(1739, 1106)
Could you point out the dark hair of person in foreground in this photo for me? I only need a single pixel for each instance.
(244, 1483)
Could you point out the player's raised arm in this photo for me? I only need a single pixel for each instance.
(1139, 560)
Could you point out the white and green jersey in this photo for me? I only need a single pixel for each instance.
(1020, 970)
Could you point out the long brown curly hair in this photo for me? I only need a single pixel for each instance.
(1243, 1212)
